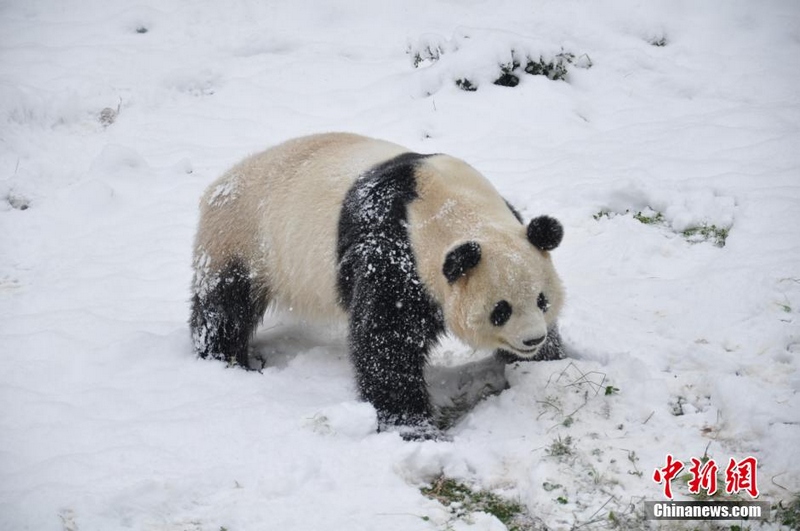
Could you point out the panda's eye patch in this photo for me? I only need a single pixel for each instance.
(501, 313)
(543, 303)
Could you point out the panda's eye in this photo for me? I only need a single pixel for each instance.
(543, 303)
(501, 313)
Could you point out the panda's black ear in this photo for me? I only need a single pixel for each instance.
(460, 260)
(545, 233)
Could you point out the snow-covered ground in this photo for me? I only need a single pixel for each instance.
(115, 115)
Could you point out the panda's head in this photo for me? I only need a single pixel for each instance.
(503, 291)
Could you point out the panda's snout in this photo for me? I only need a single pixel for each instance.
(525, 336)
(527, 346)
(534, 341)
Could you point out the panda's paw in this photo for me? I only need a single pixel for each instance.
(256, 361)
(550, 352)
(553, 349)
(423, 433)
(418, 429)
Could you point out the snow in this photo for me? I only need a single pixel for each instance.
(114, 117)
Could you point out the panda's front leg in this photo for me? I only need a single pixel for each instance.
(389, 343)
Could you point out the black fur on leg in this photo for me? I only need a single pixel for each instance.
(552, 348)
(225, 313)
(389, 344)
(393, 321)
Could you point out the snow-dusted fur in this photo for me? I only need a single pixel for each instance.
(339, 226)
(277, 211)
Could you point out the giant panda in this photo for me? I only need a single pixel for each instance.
(402, 246)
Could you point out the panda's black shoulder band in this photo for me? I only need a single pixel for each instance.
(374, 211)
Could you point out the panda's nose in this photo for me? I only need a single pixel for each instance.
(533, 342)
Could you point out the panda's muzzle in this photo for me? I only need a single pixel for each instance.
(533, 344)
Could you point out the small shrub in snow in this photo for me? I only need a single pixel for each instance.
(712, 233)
(676, 408)
(109, 115)
(707, 233)
(426, 55)
(555, 69)
(18, 202)
(649, 217)
(550, 487)
(507, 76)
(462, 501)
(788, 514)
(633, 458)
(474, 57)
(466, 85)
(560, 447)
(67, 517)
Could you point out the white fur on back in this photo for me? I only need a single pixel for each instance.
(279, 211)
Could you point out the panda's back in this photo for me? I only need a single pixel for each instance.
(281, 209)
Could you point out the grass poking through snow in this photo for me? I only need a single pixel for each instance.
(701, 233)
(463, 501)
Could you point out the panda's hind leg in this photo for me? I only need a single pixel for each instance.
(226, 309)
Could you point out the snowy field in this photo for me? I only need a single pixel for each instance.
(670, 151)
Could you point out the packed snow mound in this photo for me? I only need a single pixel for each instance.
(473, 57)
